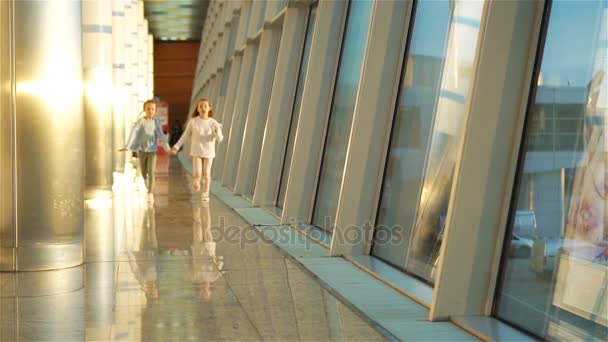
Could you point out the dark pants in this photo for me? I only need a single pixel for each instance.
(147, 163)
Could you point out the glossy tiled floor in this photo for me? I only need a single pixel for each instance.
(176, 270)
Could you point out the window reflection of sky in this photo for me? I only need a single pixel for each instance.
(571, 64)
(354, 47)
(426, 44)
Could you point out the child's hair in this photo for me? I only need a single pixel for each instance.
(143, 108)
(148, 101)
(195, 112)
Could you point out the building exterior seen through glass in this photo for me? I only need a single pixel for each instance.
(426, 133)
(555, 271)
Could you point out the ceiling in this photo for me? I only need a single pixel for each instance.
(176, 19)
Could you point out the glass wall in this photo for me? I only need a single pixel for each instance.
(234, 28)
(554, 276)
(341, 115)
(225, 78)
(254, 173)
(238, 126)
(426, 133)
(312, 16)
(261, 15)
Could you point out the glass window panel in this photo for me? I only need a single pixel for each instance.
(225, 78)
(296, 107)
(261, 15)
(246, 75)
(251, 185)
(340, 119)
(426, 134)
(554, 275)
(244, 22)
(234, 28)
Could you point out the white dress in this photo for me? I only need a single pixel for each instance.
(202, 134)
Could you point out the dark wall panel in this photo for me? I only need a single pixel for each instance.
(174, 68)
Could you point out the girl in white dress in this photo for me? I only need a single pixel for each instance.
(202, 131)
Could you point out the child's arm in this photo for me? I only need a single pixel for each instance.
(217, 130)
(132, 135)
(182, 139)
(161, 134)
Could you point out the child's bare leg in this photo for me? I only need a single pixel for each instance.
(197, 166)
(207, 174)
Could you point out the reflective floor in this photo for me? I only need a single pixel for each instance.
(177, 269)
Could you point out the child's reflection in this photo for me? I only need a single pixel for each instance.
(204, 259)
(145, 266)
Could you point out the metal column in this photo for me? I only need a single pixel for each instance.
(42, 145)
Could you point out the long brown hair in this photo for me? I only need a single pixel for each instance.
(195, 112)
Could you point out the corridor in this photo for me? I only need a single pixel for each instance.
(410, 170)
(177, 269)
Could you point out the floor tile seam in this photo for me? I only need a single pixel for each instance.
(293, 301)
(166, 261)
(48, 295)
(240, 304)
(58, 321)
(194, 304)
(127, 288)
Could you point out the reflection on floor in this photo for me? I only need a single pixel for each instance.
(177, 269)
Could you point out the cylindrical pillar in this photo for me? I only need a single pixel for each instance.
(7, 123)
(118, 75)
(140, 56)
(128, 56)
(97, 72)
(133, 35)
(43, 135)
(150, 66)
